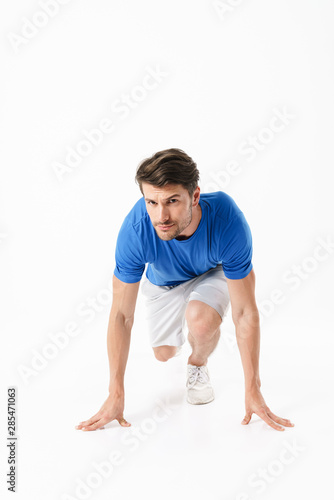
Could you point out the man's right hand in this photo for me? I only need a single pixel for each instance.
(112, 409)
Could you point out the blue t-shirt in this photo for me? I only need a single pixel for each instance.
(222, 237)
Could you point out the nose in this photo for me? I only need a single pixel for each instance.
(163, 214)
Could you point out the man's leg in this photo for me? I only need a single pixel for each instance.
(204, 331)
(164, 352)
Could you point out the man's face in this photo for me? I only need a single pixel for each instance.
(169, 208)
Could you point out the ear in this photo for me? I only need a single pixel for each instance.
(196, 197)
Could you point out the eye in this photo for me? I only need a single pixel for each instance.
(173, 200)
(150, 202)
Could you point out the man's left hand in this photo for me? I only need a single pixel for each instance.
(256, 404)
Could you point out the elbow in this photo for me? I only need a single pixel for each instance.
(128, 322)
(248, 316)
(123, 320)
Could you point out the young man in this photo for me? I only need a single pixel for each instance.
(199, 255)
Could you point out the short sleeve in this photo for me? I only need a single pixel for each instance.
(130, 263)
(237, 248)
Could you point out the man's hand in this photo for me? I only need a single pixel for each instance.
(256, 404)
(111, 409)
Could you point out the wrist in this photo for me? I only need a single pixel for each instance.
(116, 392)
(116, 388)
(252, 385)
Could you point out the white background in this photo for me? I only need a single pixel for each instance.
(226, 70)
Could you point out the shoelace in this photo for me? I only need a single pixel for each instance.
(197, 373)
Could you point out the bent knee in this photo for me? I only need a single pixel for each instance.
(202, 319)
(164, 352)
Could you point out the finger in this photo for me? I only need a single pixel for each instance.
(123, 422)
(90, 421)
(96, 425)
(263, 414)
(100, 423)
(279, 420)
(247, 418)
(80, 426)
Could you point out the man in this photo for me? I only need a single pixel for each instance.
(198, 250)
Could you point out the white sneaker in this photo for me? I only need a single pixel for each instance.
(200, 390)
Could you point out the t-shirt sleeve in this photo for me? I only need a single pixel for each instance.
(130, 263)
(237, 248)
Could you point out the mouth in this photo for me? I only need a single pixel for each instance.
(165, 228)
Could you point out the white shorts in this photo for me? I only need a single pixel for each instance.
(166, 305)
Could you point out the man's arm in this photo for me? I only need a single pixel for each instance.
(246, 319)
(119, 331)
(118, 343)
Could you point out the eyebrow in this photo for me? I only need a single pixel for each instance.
(169, 197)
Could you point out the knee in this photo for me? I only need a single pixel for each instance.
(202, 322)
(165, 352)
(202, 330)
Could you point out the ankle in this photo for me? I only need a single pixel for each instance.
(196, 361)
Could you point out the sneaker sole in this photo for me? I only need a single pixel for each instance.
(200, 402)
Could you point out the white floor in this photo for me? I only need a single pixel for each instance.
(174, 449)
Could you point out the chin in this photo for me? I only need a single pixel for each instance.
(167, 236)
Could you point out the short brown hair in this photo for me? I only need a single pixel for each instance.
(170, 166)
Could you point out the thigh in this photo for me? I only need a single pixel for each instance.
(211, 289)
(165, 310)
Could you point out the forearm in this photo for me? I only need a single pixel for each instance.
(248, 339)
(118, 344)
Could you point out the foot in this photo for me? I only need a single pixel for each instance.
(198, 384)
